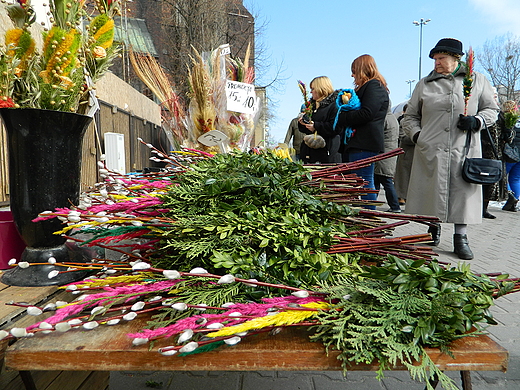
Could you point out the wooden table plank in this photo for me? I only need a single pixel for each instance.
(107, 348)
(31, 295)
(15, 316)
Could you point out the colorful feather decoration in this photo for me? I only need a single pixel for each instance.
(307, 108)
(468, 79)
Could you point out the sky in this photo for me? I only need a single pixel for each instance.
(303, 39)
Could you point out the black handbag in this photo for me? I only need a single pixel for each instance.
(511, 153)
(481, 170)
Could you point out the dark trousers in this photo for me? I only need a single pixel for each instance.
(390, 192)
(366, 173)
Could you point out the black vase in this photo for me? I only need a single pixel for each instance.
(44, 174)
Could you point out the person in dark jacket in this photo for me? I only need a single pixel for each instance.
(500, 135)
(404, 162)
(513, 167)
(323, 102)
(367, 123)
(384, 170)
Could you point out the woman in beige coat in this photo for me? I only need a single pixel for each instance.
(434, 121)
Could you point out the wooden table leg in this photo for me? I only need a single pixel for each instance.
(433, 383)
(27, 380)
(466, 380)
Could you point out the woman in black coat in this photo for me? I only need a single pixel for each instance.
(324, 113)
(366, 125)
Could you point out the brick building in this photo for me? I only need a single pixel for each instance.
(168, 29)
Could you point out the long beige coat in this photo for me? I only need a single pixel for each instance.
(436, 186)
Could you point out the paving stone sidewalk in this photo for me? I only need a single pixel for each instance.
(495, 244)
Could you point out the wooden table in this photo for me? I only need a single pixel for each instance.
(109, 348)
(11, 316)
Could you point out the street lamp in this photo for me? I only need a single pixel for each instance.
(409, 82)
(420, 24)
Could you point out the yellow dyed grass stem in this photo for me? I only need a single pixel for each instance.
(284, 318)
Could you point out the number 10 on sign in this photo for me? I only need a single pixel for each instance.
(241, 97)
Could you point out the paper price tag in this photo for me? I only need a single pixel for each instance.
(225, 50)
(241, 97)
(213, 138)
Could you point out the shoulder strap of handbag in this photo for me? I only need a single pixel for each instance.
(468, 141)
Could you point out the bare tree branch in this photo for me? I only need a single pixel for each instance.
(500, 58)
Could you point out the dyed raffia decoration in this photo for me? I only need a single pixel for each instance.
(284, 318)
(258, 311)
(102, 30)
(20, 45)
(467, 84)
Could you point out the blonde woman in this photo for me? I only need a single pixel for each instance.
(323, 101)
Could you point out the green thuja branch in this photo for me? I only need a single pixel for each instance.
(389, 314)
(427, 371)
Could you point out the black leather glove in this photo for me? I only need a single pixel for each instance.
(468, 123)
(508, 135)
(416, 137)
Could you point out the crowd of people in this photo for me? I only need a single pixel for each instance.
(433, 130)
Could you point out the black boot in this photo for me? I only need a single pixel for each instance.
(435, 231)
(461, 247)
(485, 212)
(511, 203)
(488, 215)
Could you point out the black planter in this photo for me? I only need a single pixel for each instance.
(44, 174)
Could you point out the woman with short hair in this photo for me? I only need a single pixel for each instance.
(434, 120)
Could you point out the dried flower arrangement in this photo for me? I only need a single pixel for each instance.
(172, 106)
(59, 76)
(206, 109)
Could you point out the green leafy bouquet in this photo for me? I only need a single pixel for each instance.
(511, 114)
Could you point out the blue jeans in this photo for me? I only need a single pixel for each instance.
(366, 173)
(390, 192)
(513, 178)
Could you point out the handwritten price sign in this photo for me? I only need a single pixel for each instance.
(213, 138)
(241, 97)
